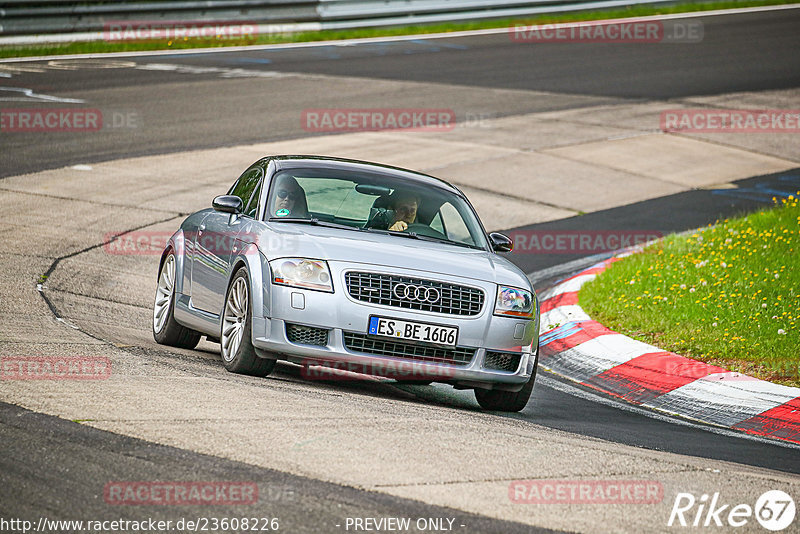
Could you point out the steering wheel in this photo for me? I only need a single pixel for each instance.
(424, 229)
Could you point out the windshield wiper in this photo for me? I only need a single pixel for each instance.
(314, 221)
(398, 233)
(423, 237)
(410, 235)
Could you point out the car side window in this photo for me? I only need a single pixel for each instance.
(246, 185)
(437, 223)
(252, 208)
(454, 224)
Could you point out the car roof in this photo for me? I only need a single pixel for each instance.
(307, 161)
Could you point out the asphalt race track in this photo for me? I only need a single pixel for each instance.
(180, 102)
(68, 445)
(180, 110)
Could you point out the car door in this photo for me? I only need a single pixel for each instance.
(216, 241)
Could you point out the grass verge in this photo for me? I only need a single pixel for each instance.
(728, 294)
(94, 47)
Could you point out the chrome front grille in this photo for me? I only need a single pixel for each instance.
(409, 351)
(414, 293)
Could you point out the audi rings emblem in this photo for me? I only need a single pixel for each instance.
(418, 293)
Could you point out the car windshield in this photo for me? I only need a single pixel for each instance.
(373, 202)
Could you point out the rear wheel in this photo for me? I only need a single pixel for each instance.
(166, 330)
(506, 401)
(238, 354)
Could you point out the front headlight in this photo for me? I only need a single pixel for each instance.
(302, 272)
(514, 302)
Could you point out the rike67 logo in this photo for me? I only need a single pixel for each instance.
(774, 510)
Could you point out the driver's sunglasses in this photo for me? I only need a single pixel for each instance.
(287, 194)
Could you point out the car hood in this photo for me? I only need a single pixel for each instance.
(350, 246)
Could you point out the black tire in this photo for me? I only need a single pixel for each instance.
(171, 332)
(507, 401)
(244, 359)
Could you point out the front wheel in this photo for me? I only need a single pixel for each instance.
(166, 330)
(506, 401)
(236, 346)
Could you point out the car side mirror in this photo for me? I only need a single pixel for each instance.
(228, 204)
(501, 242)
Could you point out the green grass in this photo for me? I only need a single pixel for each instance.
(728, 294)
(126, 46)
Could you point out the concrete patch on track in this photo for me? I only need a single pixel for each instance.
(686, 162)
(371, 435)
(784, 145)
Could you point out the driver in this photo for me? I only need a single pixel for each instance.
(289, 199)
(405, 206)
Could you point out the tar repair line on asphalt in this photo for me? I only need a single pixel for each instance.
(584, 351)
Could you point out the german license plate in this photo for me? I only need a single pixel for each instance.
(424, 332)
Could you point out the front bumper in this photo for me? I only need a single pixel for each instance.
(340, 314)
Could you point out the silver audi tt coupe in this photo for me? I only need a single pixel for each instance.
(345, 266)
